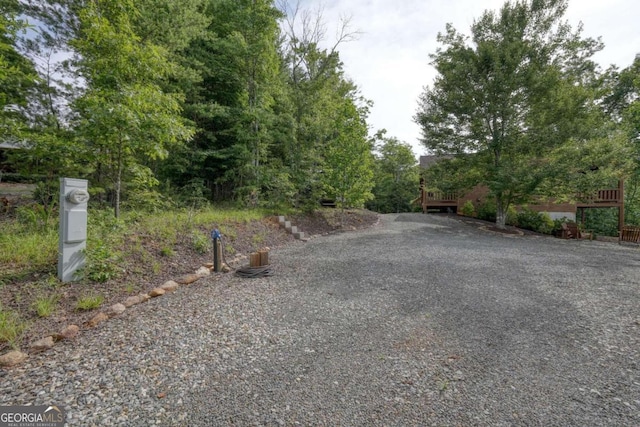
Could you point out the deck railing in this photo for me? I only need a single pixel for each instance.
(611, 195)
(438, 196)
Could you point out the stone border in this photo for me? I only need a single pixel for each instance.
(16, 357)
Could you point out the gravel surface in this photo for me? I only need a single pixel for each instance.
(421, 320)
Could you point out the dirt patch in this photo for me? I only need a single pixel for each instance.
(329, 220)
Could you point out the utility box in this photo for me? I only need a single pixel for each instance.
(74, 198)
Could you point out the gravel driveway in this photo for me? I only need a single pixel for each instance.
(421, 320)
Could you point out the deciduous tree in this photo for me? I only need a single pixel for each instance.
(508, 96)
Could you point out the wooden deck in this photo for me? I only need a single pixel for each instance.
(602, 199)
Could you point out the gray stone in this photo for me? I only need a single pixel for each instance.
(299, 235)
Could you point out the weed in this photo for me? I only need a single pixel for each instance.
(156, 267)
(167, 251)
(230, 249)
(45, 306)
(258, 238)
(129, 288)
(101, 263)
(201, 243)
(11, 327)
(89, 302)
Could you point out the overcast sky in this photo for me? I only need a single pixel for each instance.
(390, 60)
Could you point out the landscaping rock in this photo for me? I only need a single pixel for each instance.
(187, 279)
(70, 331)
(203, 271)
(12, 358)
(116, 309)
(43, 344)
(170, 286)
(97, 319)
(136, 299)
(156, 292)
(144, 297)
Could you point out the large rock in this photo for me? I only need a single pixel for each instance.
(136, 299)
(203, 271)
(169, 286)
(156, 292)
(116, 309)
(70, 331)
(97, 319)
(144, 297)
(187, 279)
(12, 358)
(43, 344)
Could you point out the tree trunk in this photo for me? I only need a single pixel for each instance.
(501, 213)
(118, 182)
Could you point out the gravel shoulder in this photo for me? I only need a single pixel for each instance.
(419, 320)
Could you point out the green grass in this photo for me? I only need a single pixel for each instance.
(45, 306)
(11, 327)
(24, 249)
(89, 302)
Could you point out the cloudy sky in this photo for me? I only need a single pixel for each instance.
(390, 62)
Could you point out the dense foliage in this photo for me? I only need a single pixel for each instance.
(181, 101)
(519, 103)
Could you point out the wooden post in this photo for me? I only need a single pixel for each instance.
(254, 259)
(264, 257)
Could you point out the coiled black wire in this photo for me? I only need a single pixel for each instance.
(247, 272)
(254, 272)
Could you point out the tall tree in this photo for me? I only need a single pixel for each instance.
(233, 105)
(348, 169)
(17, 75)
(124, 116)
(510, 95)
(396, 175)
(317, 88)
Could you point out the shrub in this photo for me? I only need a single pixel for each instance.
(101, 263)
(487, 210)
(468, 209)
(536, 221)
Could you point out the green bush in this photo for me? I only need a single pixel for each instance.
(487, 210)
(536, 221)
(468, 209)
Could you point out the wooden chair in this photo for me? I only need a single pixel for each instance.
(629, 234)
(569, 230)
